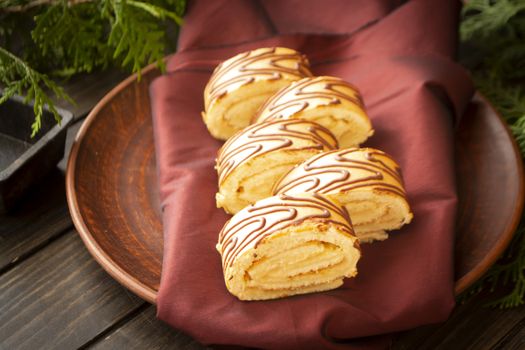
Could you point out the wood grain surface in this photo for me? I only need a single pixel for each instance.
(112, 189)
(40, 218)
(471, 326)
(33, 235)
(144, 331)
(70, 299)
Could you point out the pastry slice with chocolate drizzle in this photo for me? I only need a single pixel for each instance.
(329, 101)
(287, 245)
(253, 160)
(241, 84)
(366, 181)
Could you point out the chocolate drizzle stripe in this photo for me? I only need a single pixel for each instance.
(277, 66)
(321, 88)
(260, 139)
(336, 174)
(355, 164)
(257, 234)
(378, 186)
(294, 106)
(315, 129)
(369, 155)
(274, 214)
(342, 186)
(287, 90)
(225, 67)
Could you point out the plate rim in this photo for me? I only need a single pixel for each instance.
(491, 258)
(108, 264)
(150, 295)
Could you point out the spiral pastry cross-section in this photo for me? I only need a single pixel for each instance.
(287, 245)
(329, 101)
(241, 84)
(253, 160)
(368, 182)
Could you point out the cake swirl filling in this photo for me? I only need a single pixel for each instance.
(366, 181)
(332, 102)
(252, 161)
(241, 84)
(287, 245)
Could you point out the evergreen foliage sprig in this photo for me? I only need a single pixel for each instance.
(45, 39)
(18, 78)
(493, 31)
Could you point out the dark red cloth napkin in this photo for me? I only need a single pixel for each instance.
(401, 57)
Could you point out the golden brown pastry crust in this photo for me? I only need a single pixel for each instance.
(248, 78)
(352, 177)
(262, 153)
(286, 245)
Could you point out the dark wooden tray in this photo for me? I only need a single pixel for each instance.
(24, 161)
(112, 188)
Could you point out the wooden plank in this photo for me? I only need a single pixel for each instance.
(471, 326)
(514, 340)
(60, 298)
(41, 216)
(145, 331)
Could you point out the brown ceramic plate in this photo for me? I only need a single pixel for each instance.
(112, 188)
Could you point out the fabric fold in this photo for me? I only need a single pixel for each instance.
(401, 56)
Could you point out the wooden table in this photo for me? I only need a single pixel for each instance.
(53, 295)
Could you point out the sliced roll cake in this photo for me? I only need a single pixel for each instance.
(366, 181)
(287, 245)
(251, 162)
(329, 101)
(241, 84)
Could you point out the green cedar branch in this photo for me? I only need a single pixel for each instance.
(74, 36)
(136, 34)
(495, 31)
(488, 16)
(25, 5)
(19, 78)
